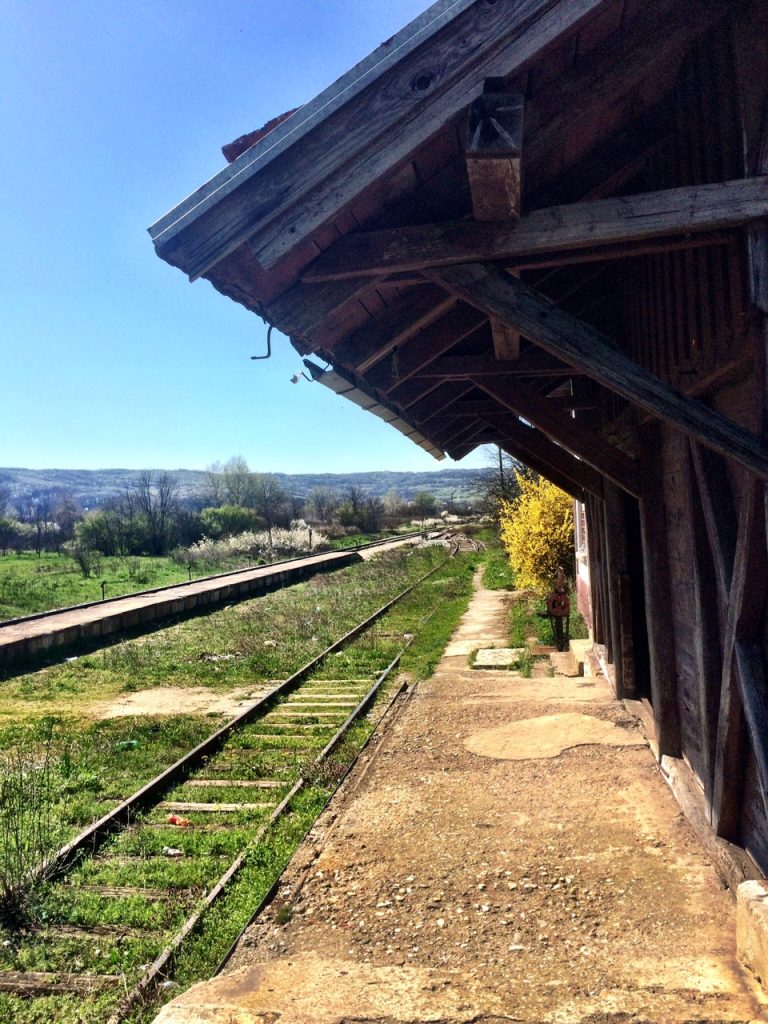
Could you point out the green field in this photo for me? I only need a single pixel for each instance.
(31, 583)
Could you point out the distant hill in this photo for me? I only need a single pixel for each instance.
(92, 487)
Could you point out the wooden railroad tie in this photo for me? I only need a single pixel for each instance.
(43, 983)
(181, 805)
(242, 783)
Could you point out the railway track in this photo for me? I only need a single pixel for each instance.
(125, 896)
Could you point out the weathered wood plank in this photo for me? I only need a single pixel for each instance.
(188, 806)
(559, 229)
(292, 189)
(581, 345)
(41, 983)
(563, 430)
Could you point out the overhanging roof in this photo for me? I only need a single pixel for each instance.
(342, 224)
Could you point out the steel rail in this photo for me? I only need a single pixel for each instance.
(158, 970)
(91, 838)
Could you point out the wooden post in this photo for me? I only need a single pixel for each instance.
(619, 595)
(658, 599)
(593, 512)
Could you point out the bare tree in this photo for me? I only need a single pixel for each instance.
(238, 482)
(213, 485)
(269, 499)
(322, 502)
(157, 502)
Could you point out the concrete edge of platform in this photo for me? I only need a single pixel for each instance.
(752, 928)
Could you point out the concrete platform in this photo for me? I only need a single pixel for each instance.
(508, 853)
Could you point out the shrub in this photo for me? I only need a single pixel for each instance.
(86, 558)
(537, 532)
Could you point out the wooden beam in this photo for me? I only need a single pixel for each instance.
(582, 346)
(587, 445)
(567, 229)
(494, 145)
(351, 135)
(376, 339)
(549, 458)
(658, 596)
(533, 363)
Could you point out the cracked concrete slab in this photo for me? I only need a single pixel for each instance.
(548, 736)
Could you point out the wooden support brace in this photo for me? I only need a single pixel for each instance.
(668, 219)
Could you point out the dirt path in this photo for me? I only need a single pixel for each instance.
(509, 853)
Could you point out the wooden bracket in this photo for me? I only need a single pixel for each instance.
(494, 145)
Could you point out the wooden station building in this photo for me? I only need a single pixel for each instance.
(540, 224)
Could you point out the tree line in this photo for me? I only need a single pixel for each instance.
(150, 518)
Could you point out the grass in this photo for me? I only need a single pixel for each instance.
(101, 761)
(29, 583)
(497, 572)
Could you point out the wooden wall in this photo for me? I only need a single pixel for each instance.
(689, 317)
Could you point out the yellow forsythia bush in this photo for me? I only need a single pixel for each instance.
(537, 533)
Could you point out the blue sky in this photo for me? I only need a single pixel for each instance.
(112, 112)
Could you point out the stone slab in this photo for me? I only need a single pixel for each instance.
(752, 928)
(498, 657)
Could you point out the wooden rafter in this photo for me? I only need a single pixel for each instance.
(438, 401)
(374, 341)
(621, 226)
(430, 343)
(563, 430)
(582, 346)
(533, 363)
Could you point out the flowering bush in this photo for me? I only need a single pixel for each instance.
(260, 545)
(537, 532)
